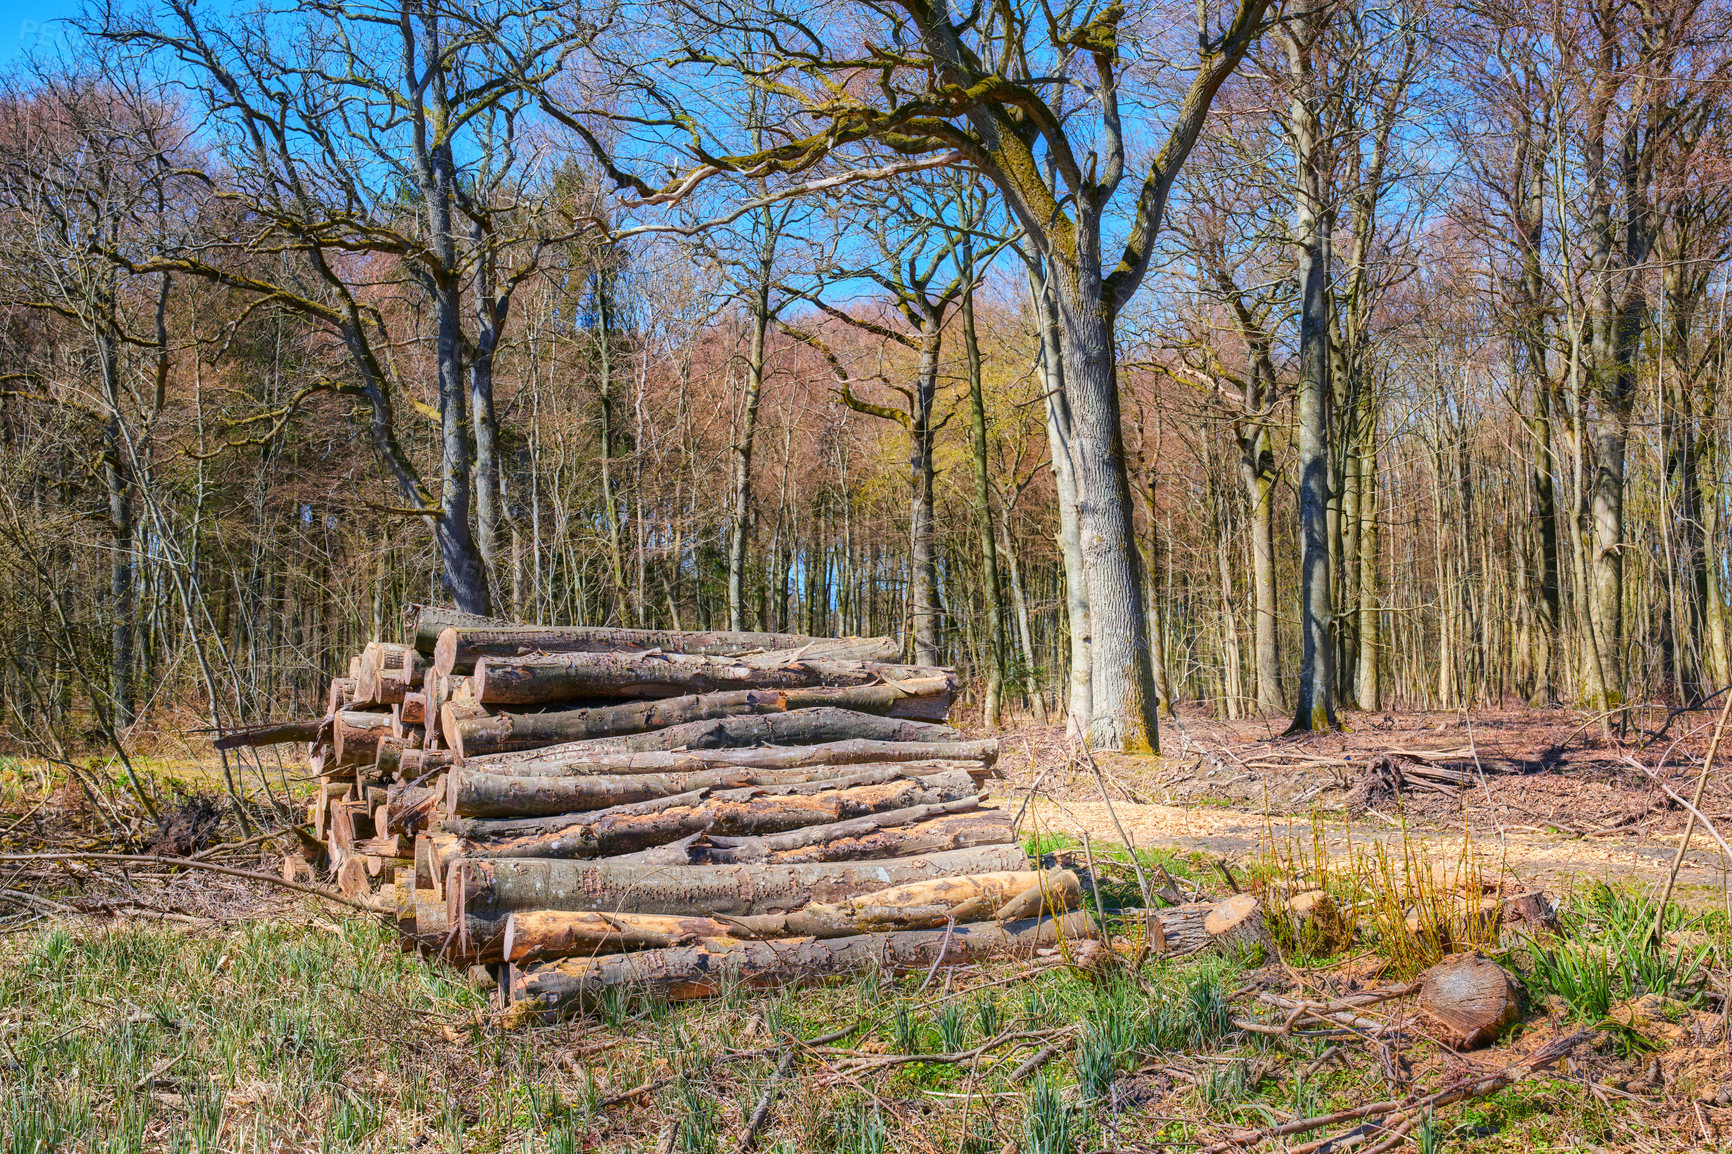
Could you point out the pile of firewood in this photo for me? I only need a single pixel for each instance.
(582, 808)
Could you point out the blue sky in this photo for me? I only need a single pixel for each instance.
(29, 22)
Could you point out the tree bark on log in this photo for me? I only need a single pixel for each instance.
(796, 727)
(496, 795)
(544, 935)
(409, 809)
(494, 888)
(416, 763)
(559, 761)
(927, 700)
(460, 646)
(387, 672)
(910, 832)
(747, 813)
(341, 695)
(427, 622)
(1223, 925)
(700, 971)
(531, 680)
(356, 736)
(272, 733)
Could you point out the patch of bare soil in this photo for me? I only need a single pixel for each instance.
(1538, 791)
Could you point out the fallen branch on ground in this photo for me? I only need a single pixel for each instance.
(190, 863)
(1401, 1113)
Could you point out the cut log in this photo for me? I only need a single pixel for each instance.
(494, 888)
(922, 829)
(341, 695)
(1468, 1000)
(273, 733)
(472, 794)
(543, 935)
(460, 646)
(414, 764)
(352, 878)
(743, 812)
(531, 680)
(923, 904)
(457, 709)
(409, 809)
(426, 622)
(796, 727)
(414, 708)
(559, 760)
(475, 736)
(356, 735)
(387, 672)
(1225, 925)
(711, 968)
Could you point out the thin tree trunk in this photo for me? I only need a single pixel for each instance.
(995, 630)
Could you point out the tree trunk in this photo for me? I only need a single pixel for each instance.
(483, 888)
(478, 794)
(610, 502)
(702, 971)
(1257, 473)
(740, 523)
(1368, 691)
(796, 727)
(912, 832)
(1122, 715)
(1058, 431)
(552, 763)
(989, 583)
(1315, 707)
(503, 732)
(923, 545)
(750, 813)
(459, 647)
(535, 936)
(532, 680)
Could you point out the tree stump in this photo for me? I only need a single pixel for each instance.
(1468, 1000)
(1315, 923)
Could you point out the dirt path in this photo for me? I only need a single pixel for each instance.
(1552, 861)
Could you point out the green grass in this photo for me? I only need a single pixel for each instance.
(309, 1033)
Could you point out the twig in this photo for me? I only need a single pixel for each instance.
(1041, 1057)
(1130, 846)
(149, 859)
(943, 948)
(1402, 1110)
(1690, 824)
(762, 1113)
(1707, 825)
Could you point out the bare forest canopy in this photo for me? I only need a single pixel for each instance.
(1265, 359)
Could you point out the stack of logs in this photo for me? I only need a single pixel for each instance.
(583, 808)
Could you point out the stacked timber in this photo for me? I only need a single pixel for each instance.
(579, 808)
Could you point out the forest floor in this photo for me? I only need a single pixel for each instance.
(145, 1006)
(1548, 800)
